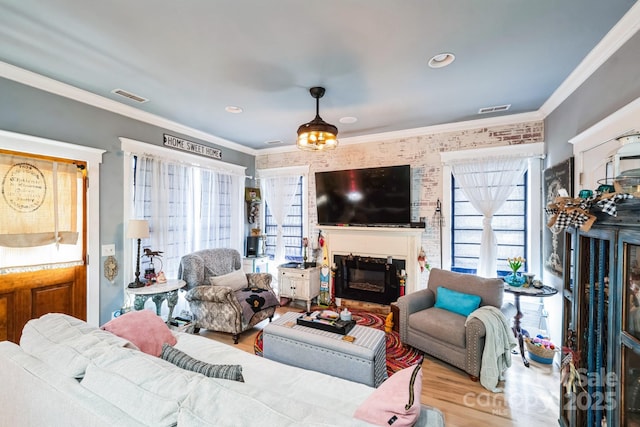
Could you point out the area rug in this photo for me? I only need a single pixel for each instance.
(399, 356)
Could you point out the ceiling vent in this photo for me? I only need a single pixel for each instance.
(274, 142)
(130, 95)
(494, 109)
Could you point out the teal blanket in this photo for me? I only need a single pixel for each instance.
(498, 343)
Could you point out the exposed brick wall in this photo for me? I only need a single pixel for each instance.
(421, 152)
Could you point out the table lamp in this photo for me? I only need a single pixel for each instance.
(137, 229)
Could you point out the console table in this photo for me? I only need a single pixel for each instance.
(545, 291)
(158, 292)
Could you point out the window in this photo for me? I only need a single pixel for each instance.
(188, 208)
(293, 229)
(191, 203)
(509, 225)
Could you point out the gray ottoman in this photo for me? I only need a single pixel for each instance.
(363, 360)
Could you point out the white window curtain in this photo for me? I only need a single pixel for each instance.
(279, 192)
(279, 188)
(487, 184)
(188, 207)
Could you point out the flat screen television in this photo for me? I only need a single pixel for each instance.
(366, 197)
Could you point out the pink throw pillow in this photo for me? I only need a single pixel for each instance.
(396, 402)
(144, 329)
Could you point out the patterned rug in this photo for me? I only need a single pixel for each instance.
(398, 355)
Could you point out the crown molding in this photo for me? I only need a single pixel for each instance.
(427, 130)
(621, 122)
(50, 85)
(610, 43)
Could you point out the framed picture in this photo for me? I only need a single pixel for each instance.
(557, 179)
(252, 194)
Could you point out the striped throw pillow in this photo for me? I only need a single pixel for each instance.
(184, 361)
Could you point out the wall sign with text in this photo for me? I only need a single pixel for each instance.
(191, 147)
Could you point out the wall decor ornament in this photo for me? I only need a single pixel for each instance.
(556, 179)
(252, 194)
(110, 268)
(253, 199)
(191, 147)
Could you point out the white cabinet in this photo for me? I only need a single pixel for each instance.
(256, 264)
(299, 284)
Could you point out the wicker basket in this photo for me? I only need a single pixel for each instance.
(540, 352)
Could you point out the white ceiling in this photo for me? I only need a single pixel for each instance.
(193, 58)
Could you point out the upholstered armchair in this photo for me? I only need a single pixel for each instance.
(221, 297)
(442, 333)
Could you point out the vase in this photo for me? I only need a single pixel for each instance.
(514, 279)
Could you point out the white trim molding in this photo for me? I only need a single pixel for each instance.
(621, 122)
(599, 141)
(131, 146)
(286, 171)
(519, 150)
(615, 38)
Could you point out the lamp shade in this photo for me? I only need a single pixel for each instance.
(138, 229)
(317, 134)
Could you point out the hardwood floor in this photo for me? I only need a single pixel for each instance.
(530, 397)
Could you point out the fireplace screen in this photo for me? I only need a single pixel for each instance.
(367, 279)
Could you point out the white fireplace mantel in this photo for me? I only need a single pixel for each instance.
(378, 242)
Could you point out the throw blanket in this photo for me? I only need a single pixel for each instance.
(255, 300)
(498, 343)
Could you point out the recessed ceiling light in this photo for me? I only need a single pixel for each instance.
(348, 120)
(233, 109)
(441, 60)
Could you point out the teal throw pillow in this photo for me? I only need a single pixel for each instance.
(457, 302)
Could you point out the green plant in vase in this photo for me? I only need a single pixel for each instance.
(515, 264)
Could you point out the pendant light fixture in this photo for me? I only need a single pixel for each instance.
(317, 135)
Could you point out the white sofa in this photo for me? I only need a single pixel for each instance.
(98, 380)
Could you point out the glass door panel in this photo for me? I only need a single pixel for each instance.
(631, 297)
(629, 293)
(594, 263)
(630, 399)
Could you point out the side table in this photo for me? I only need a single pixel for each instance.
(299, 284)
(158, 292)
(545, 291)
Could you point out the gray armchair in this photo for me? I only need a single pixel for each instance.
(443, 334)
(217, 307)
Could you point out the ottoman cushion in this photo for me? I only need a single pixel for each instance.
(363, 360)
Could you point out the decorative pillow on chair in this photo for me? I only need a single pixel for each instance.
(396, 402)
(143, 328)
(236, 280)
(457, 302)
(184, 361)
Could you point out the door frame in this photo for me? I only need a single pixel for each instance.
(93, 157)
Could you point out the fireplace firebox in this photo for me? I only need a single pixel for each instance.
(367, 279)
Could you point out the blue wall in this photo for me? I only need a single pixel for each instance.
(30, 111)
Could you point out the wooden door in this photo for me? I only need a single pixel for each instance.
(29, 295)
(34, 288)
